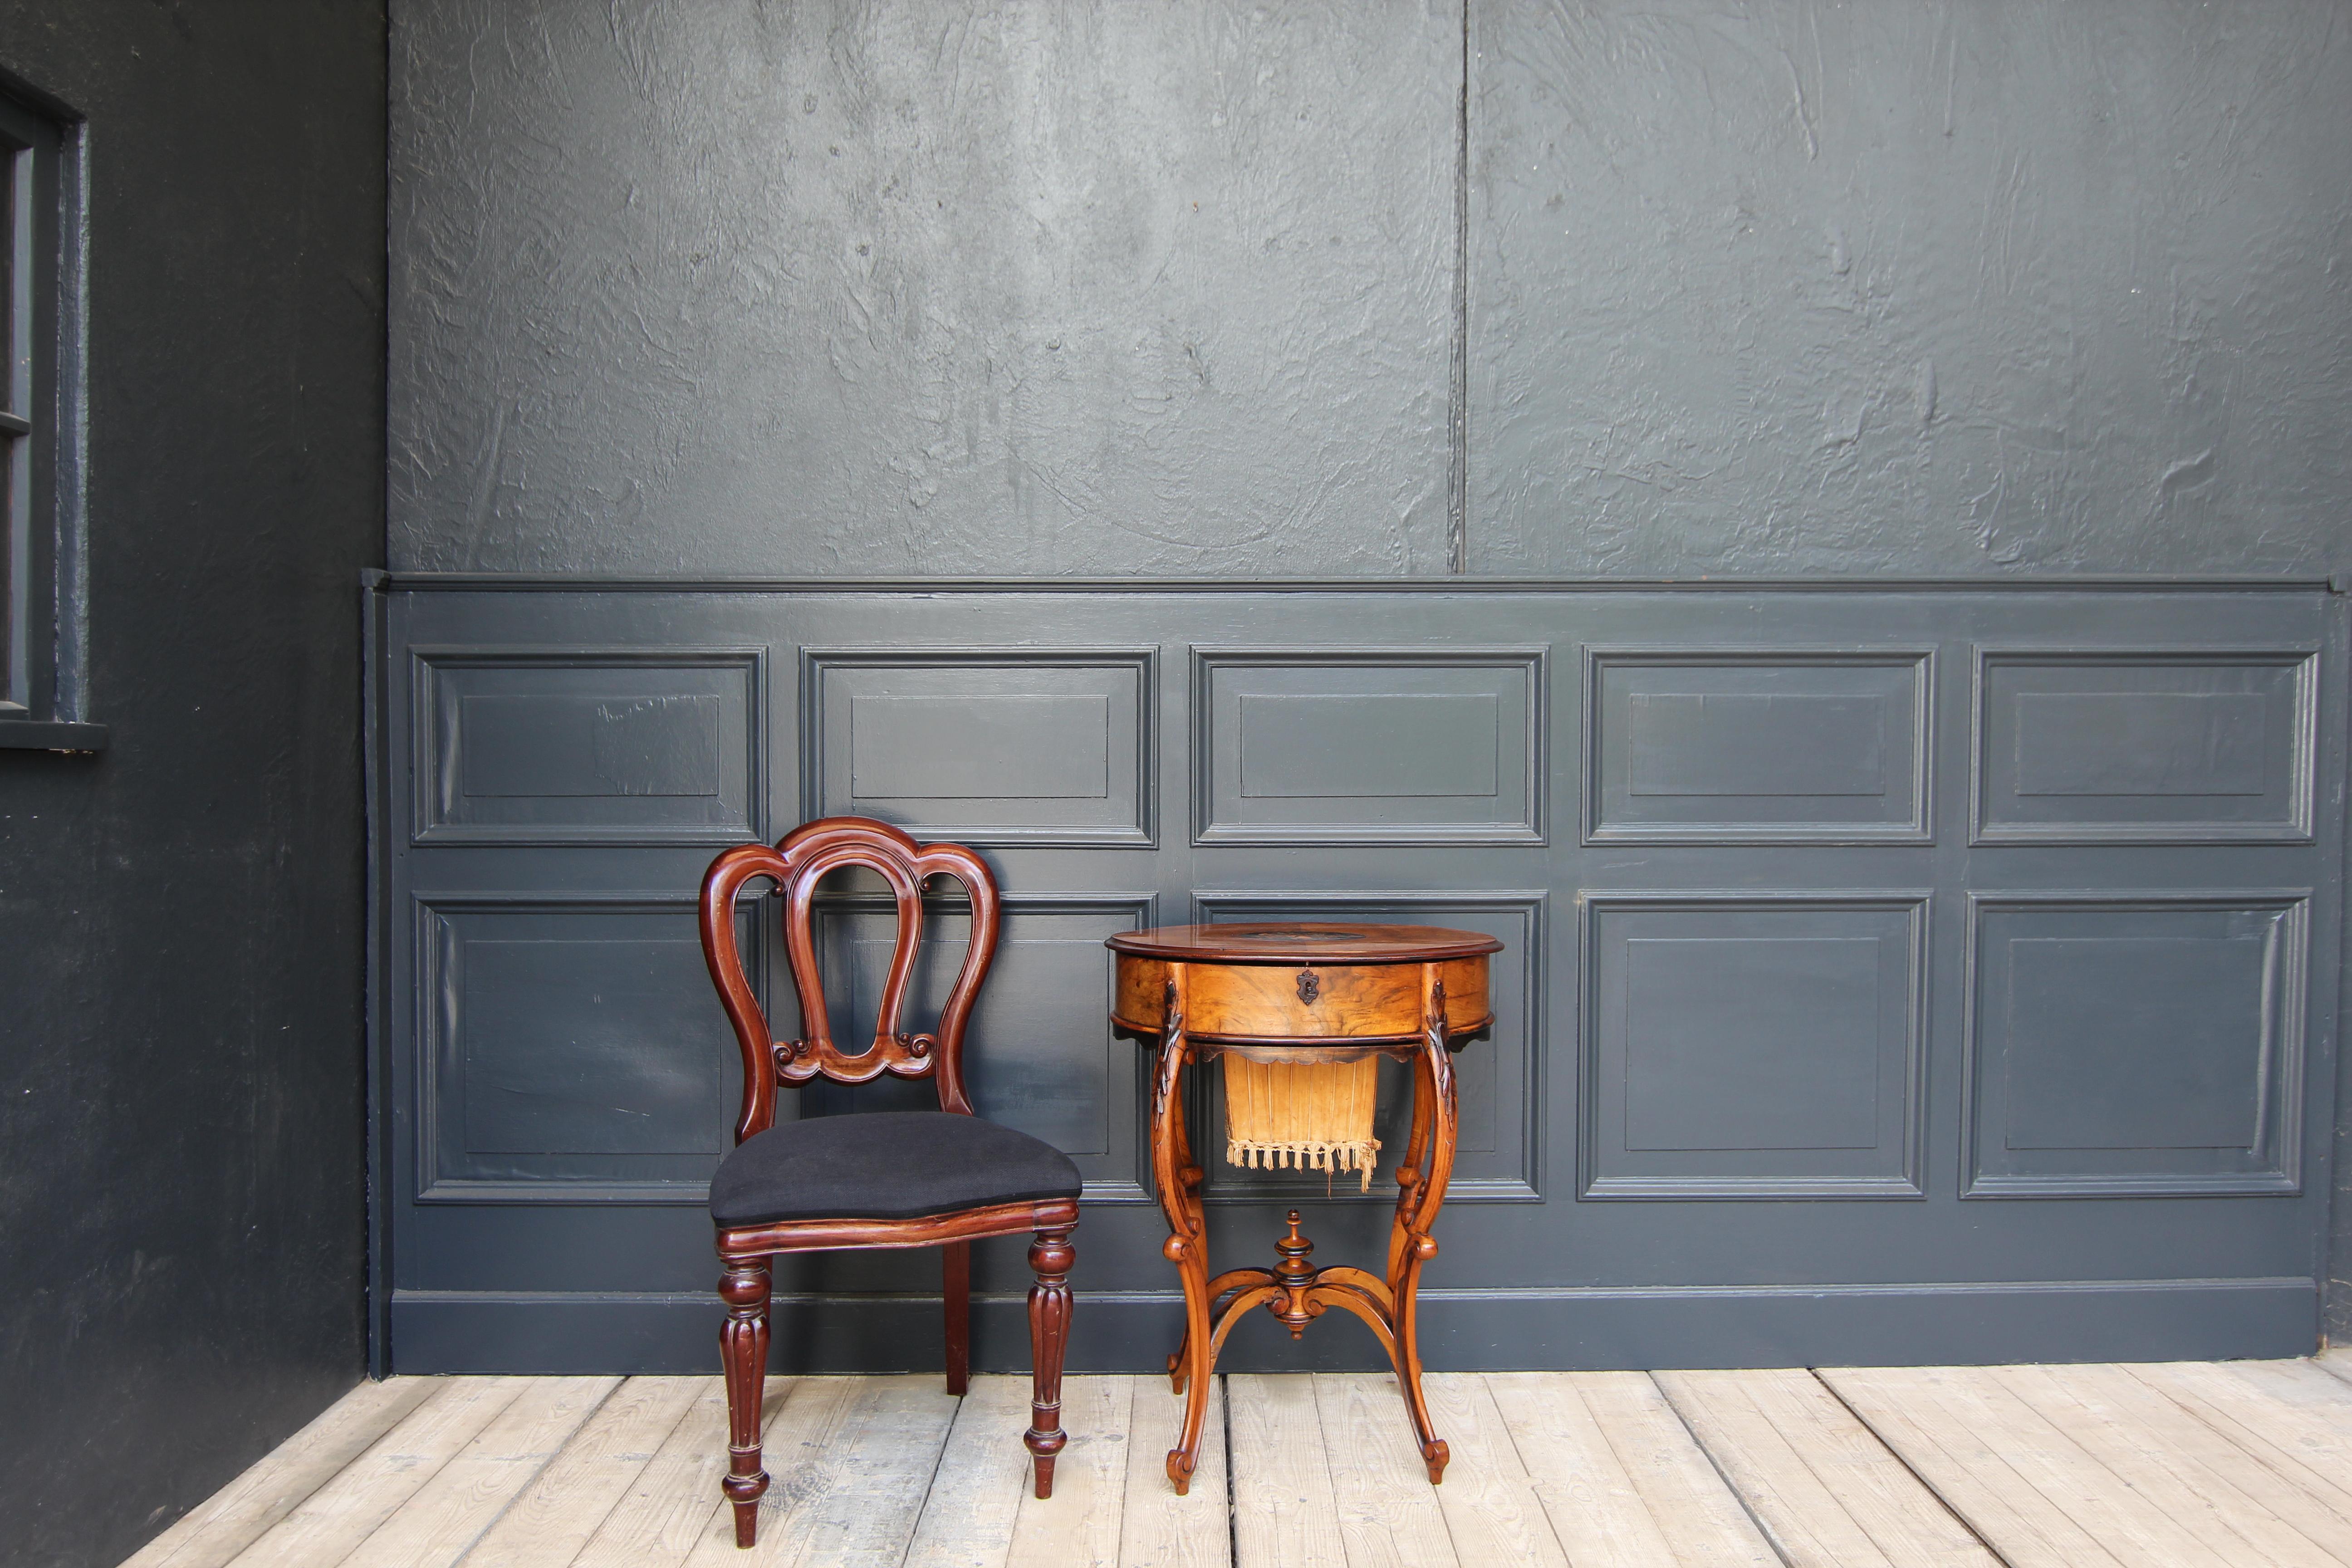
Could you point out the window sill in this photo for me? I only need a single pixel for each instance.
(51, 735)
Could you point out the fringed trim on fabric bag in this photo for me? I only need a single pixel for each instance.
(1302, 1116)
(1360, 1155)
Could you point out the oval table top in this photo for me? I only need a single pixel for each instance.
(1303, 942)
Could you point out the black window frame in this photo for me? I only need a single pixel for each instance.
(42, 599)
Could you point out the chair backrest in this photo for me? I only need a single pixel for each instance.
(794, 865)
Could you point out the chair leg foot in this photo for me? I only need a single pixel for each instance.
(743, 1352)
(1050, 1256)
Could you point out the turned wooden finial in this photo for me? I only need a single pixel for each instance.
(1294, 1274)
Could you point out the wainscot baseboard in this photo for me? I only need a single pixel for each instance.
(1461, 1331)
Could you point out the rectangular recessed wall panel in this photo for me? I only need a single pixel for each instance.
(2084, 1017)
(1496, 1075)
(570, 1048)
(1748, 746)
(2134, 1044)
(529, 747)
(1368, 746)
(1693, 743)
(520, 748)
(1753, 1047)
(1693, 1077)
(1313, 747)
(2144, 743)
(983, 746)
(2170, 747)
(995, 747)
(1039, 1054)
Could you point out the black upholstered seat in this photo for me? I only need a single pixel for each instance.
(885, 1165)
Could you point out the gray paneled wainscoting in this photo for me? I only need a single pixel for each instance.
(1923, 973)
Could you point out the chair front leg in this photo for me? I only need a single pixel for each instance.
(956, 1297)
(743, 1352)
(1050, 1256)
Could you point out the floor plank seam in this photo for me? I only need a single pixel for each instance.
(1632, 1463)
(1445, 1519)
(426, 1477)
(2200, 1482)
(531, 1479)
(195, 1536)
(2222, 1429)
(2238, 1436)
(1903, 1459)
(653, 1452)
(2071, 1505)
(915, 1529)
(1763, 1528)
(258, 1549)
(1233, 1511)
(1526, 1470)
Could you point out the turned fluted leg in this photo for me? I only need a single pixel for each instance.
(743, 1352)
(1050, 1256)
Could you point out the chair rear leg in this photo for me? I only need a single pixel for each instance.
(1050, 1256)
(743, 1351)
(957, 1298)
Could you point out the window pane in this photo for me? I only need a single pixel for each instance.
(30, 144)
(13, 337)
(16, 633)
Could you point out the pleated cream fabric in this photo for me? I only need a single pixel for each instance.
(1308, 1116)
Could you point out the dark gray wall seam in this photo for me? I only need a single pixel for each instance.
(2335, 1262)
(1457, 530)
(583, 582)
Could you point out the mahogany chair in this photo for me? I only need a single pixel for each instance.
(923, 1178)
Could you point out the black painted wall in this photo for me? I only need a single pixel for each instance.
(181, 960)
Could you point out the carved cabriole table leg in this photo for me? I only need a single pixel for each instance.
(1431, 1149)
(1178, 1181)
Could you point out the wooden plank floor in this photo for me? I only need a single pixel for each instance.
(2076, 1466)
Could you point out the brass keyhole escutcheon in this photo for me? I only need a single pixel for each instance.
(1310, 987)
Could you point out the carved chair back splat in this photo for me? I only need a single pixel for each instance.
(770, 1196)
(796, 866)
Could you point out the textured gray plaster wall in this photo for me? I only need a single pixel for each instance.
(1899, 288)
(1908, 288)
(843, 288)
